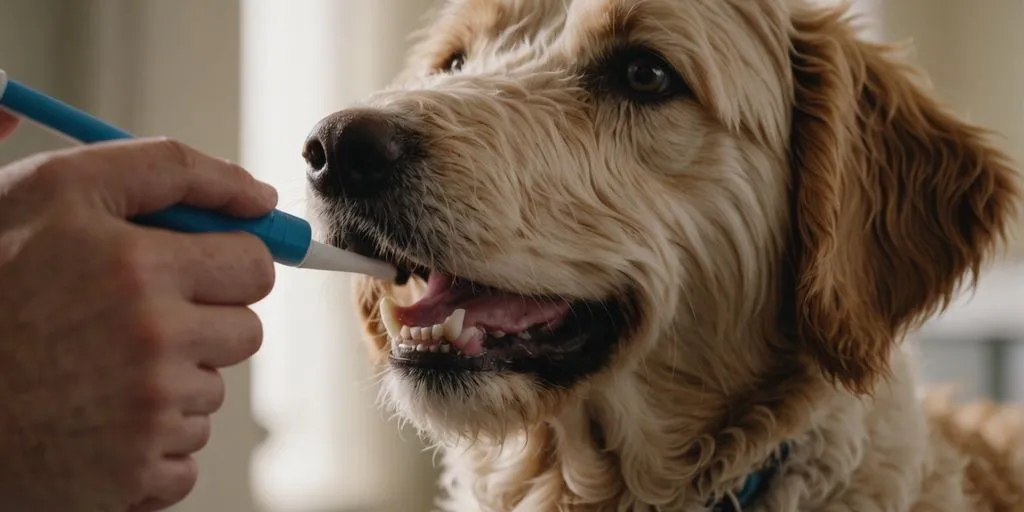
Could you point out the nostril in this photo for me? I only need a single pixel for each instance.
(357, 153)
(315, 155)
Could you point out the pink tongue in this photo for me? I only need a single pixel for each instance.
(486, 308)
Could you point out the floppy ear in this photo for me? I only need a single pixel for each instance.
(894, 200)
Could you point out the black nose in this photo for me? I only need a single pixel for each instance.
(355, 152)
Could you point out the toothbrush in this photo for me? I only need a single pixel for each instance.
(289, 238)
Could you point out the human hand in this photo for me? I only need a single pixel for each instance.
(111, 333)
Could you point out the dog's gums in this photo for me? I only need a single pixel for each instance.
(461, 325)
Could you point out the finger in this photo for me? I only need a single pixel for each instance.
(185, 435)
(8, 123)
(140, 176)
(203, 392)
(167, 483)
(224, 335)
(199, 335)
(224, 268)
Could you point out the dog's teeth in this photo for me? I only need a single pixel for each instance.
(403, 346)
(498, 334)
(386, 308)
(434, 348)
(445, 348)
(421, 348)
(405, 333)
(468, 334)
(525, 335)
(437, 332)
(416, 333)
(452, 327)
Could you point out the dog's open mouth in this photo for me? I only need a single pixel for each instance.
(462, 324)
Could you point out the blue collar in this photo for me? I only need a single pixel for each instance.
(754, 486)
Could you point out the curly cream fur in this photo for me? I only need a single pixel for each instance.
(779, 231)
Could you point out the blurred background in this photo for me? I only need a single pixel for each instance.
(247, 79)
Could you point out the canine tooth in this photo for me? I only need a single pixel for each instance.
(498, 334)
(452, 327)
(467, 335)
(421, 348)
(405, 333)
(469, 343)
(386, 308)
(417, 333)
(437, 332)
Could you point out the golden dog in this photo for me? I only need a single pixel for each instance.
(662, 255)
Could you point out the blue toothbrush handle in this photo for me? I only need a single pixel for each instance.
(288, 237)
(285, 235)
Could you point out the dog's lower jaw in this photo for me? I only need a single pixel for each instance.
(604, 454)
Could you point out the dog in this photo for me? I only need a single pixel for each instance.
(665, 255)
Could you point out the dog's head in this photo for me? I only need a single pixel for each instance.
(678, 195)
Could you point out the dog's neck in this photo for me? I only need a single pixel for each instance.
(655, 435)
(626, 447)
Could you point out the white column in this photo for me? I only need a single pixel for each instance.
(329, 448)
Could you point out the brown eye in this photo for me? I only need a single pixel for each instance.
(454, 62)
(648, 76)
(637, 74)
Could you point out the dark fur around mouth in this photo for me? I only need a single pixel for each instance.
(558, 358)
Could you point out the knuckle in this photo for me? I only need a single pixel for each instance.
(238, 173)
(150, 333)
(154, 396)
(53, 173)
(176, 152)
(132, 266)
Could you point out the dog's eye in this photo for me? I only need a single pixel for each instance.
(647, 76)
(638, 74)
(454, 62)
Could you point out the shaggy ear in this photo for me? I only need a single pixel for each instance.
(894, 200)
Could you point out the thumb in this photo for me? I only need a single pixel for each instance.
(141, 176)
